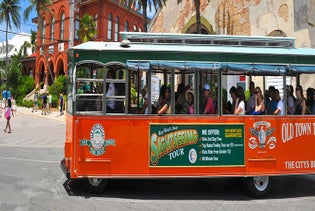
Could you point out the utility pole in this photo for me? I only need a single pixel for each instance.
(71, 24)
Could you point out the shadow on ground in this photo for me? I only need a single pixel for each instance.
(195, 189)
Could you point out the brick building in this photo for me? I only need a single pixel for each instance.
(51, 56)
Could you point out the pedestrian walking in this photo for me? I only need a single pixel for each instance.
(61, 104)
(35, 107)
(44, 103)
(7, 115)
(49, 100)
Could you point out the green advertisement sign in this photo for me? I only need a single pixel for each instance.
(196, 145)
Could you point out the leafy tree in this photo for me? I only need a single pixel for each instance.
(9, 13)
(143, 5)
(59, 86)
(87, 28)
(21, 85)
(33, 41)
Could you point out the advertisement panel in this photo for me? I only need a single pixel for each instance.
(196, 145)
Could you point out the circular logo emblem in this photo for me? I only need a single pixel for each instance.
(192, 156)
(97, 136)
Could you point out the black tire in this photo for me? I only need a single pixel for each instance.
(95, 185)
(258, 187)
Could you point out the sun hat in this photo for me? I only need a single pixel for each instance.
(206, 86)
(187, 93)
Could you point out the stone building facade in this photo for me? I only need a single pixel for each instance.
(292, 18)
(287, 18)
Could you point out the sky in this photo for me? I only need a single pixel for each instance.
(26, 26)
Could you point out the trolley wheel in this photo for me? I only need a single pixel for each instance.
(258, 186)
(95, 185)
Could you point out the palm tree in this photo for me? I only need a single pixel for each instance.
(87, 29)
(9, 12)
(38, 5)
(143, 5)
(33, 41)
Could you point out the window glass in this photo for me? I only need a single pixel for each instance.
(208, 92)
(44, 31)
(76, 27)
(109, 29)
(126, 26)
(62, 26)
(115, 89)
(89, 88)
(95, 19)
(116, 29)
(52, 30)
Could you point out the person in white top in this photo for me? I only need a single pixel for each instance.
(240, 101)
(110, 92)
(280, 108)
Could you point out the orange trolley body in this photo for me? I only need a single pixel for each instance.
(133, 147)
(101, 145)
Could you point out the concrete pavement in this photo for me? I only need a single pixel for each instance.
(54, 114)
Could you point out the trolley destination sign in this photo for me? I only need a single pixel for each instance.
(196, 145)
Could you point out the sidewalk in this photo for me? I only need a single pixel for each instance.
(54, 115)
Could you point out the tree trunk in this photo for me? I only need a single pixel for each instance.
(197, 5)
(144, 10)
(6, 57)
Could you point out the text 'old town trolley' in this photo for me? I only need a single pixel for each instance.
(166, 105)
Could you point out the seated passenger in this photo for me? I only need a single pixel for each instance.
(110, 92)
(189, 104)
(300, 103)
(280, 109)
(310, 101)
(259, 102)
(166, 108)
(240, 101)
(145, 107)
(290, 101)
(271, 103)
(209, 107)
(250, 105)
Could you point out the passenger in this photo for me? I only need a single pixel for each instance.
(309, 101)
(300, 103)
(145, 107)
(110, 92)
(240, 101)
(209, 107)
(280, 109)
(233, 96)
(271, 103)
(290, 101)
(189, 104)
(180, 99)
(166, 108)
(250, 105)
(259, 102)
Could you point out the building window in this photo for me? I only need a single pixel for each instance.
(134, 28)
(44, 31)
(62, 26)
(52, 31)
(76, 27)
(116, 29)
(140, 30)
(109, 30)
(126, 26)
(95, 19)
